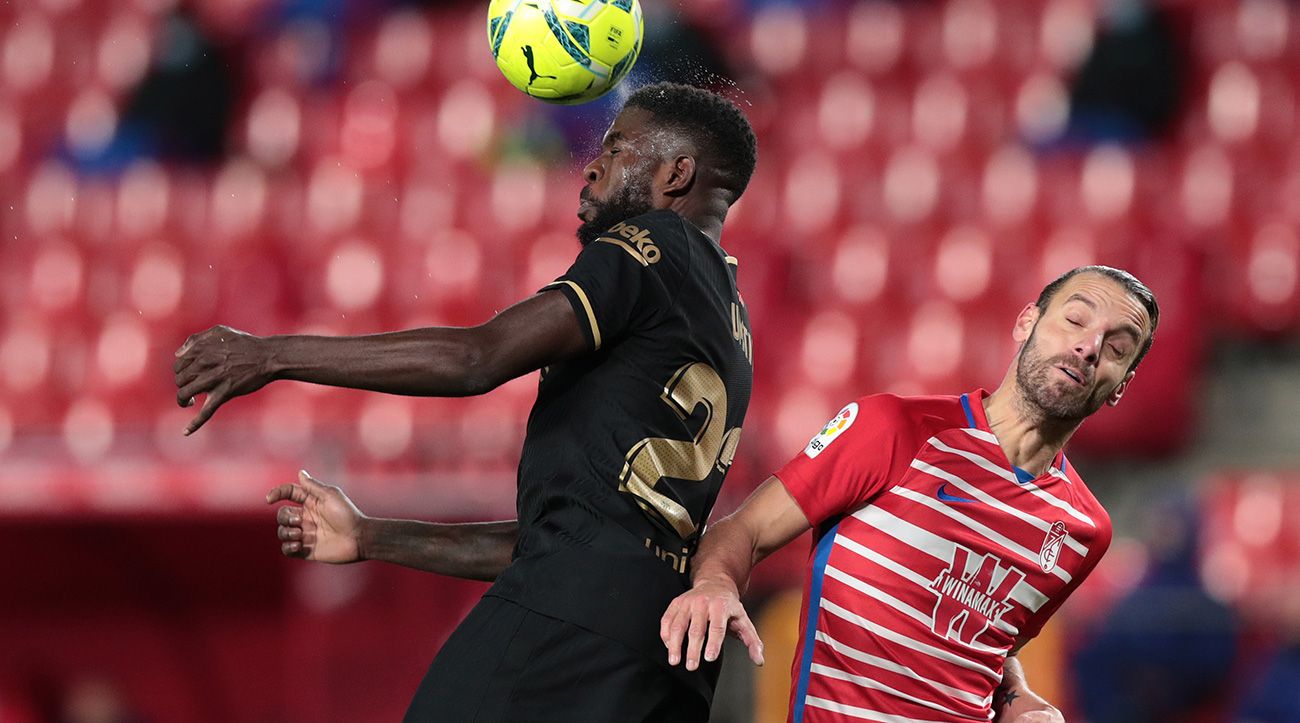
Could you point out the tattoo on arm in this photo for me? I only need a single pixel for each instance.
(1009, 697)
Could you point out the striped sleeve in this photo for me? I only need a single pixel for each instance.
(850, 461)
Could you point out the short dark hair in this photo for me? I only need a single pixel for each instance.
(1135, 288)
(716, 125)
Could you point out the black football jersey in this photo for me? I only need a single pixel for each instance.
(627, 446)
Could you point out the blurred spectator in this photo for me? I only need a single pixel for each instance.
(1167, 649)
(1273, 693)
(1275, 697)
(674, 49)
(1130, 87)
(182, 108)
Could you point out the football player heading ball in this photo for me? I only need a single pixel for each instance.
(647, 358)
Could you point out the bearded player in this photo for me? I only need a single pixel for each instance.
(948, 529)
(646, 367)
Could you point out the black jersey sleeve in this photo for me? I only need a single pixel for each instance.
(625, 276)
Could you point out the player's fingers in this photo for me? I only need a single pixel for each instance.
(665, 622)
(215, 399)
(182, 361)
(314, 487)
(677, 631)
(287, 492)
(289, 516)
(186, 376)
(189, 342)
(1038, 716)
(185, 393)
(695, 630)
(718, 616)
(288, 532)
(292, 549)
(744, 629)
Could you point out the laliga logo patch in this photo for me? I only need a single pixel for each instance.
(833, 429)
(1051, 551)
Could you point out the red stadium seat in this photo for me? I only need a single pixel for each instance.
(779, 40)
(912, 185)
(274, 127)
(1042, 108)
(971, 34)
(29, 53)
(940, 112)
(1267, 283)
(875, 35)
(401, 51)
(124, 51)
(846, 109)
(368, 128)
(143, 203)
(1248, 551)
(811, 197)
(963, 270)
(1009, 186)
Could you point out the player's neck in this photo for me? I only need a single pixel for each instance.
(1030, 441)
(706, 214)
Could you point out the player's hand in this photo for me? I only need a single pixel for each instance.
(327, 526)
(1023, 706)
(704, 615)
(223, 363)
(1052, 716)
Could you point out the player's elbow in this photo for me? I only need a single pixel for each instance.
(482, 368)
(477, 374)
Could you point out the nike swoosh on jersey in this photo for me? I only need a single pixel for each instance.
(944, 496)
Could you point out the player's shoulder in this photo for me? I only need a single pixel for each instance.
(649, 237)
(929, 414)
(892, 420)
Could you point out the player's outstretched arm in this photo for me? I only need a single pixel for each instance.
(1014, 702)
(325, 526)
(728, 552)
(225, 363)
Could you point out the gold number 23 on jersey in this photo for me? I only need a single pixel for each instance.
(654, 458)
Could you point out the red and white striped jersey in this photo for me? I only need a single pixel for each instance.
(934, 554)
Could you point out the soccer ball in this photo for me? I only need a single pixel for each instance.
(565, 51)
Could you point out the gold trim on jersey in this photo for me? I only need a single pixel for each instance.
(626, 247)
(713, 446)
(733, 261)
(586, 305)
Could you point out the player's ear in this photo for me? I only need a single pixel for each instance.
(1119, 390)
(678, 176)
(1025, 323)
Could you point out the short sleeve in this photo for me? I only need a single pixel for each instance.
(609, 282)
(850, 461)
(604, 286)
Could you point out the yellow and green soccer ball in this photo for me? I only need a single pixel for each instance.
(565, 51)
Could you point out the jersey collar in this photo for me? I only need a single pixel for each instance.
(972, 403)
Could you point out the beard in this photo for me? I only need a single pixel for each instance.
(1056, 398)
(633, 199)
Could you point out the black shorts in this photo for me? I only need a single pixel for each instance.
(508, 664)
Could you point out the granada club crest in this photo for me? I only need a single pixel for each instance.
(1051, 550)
